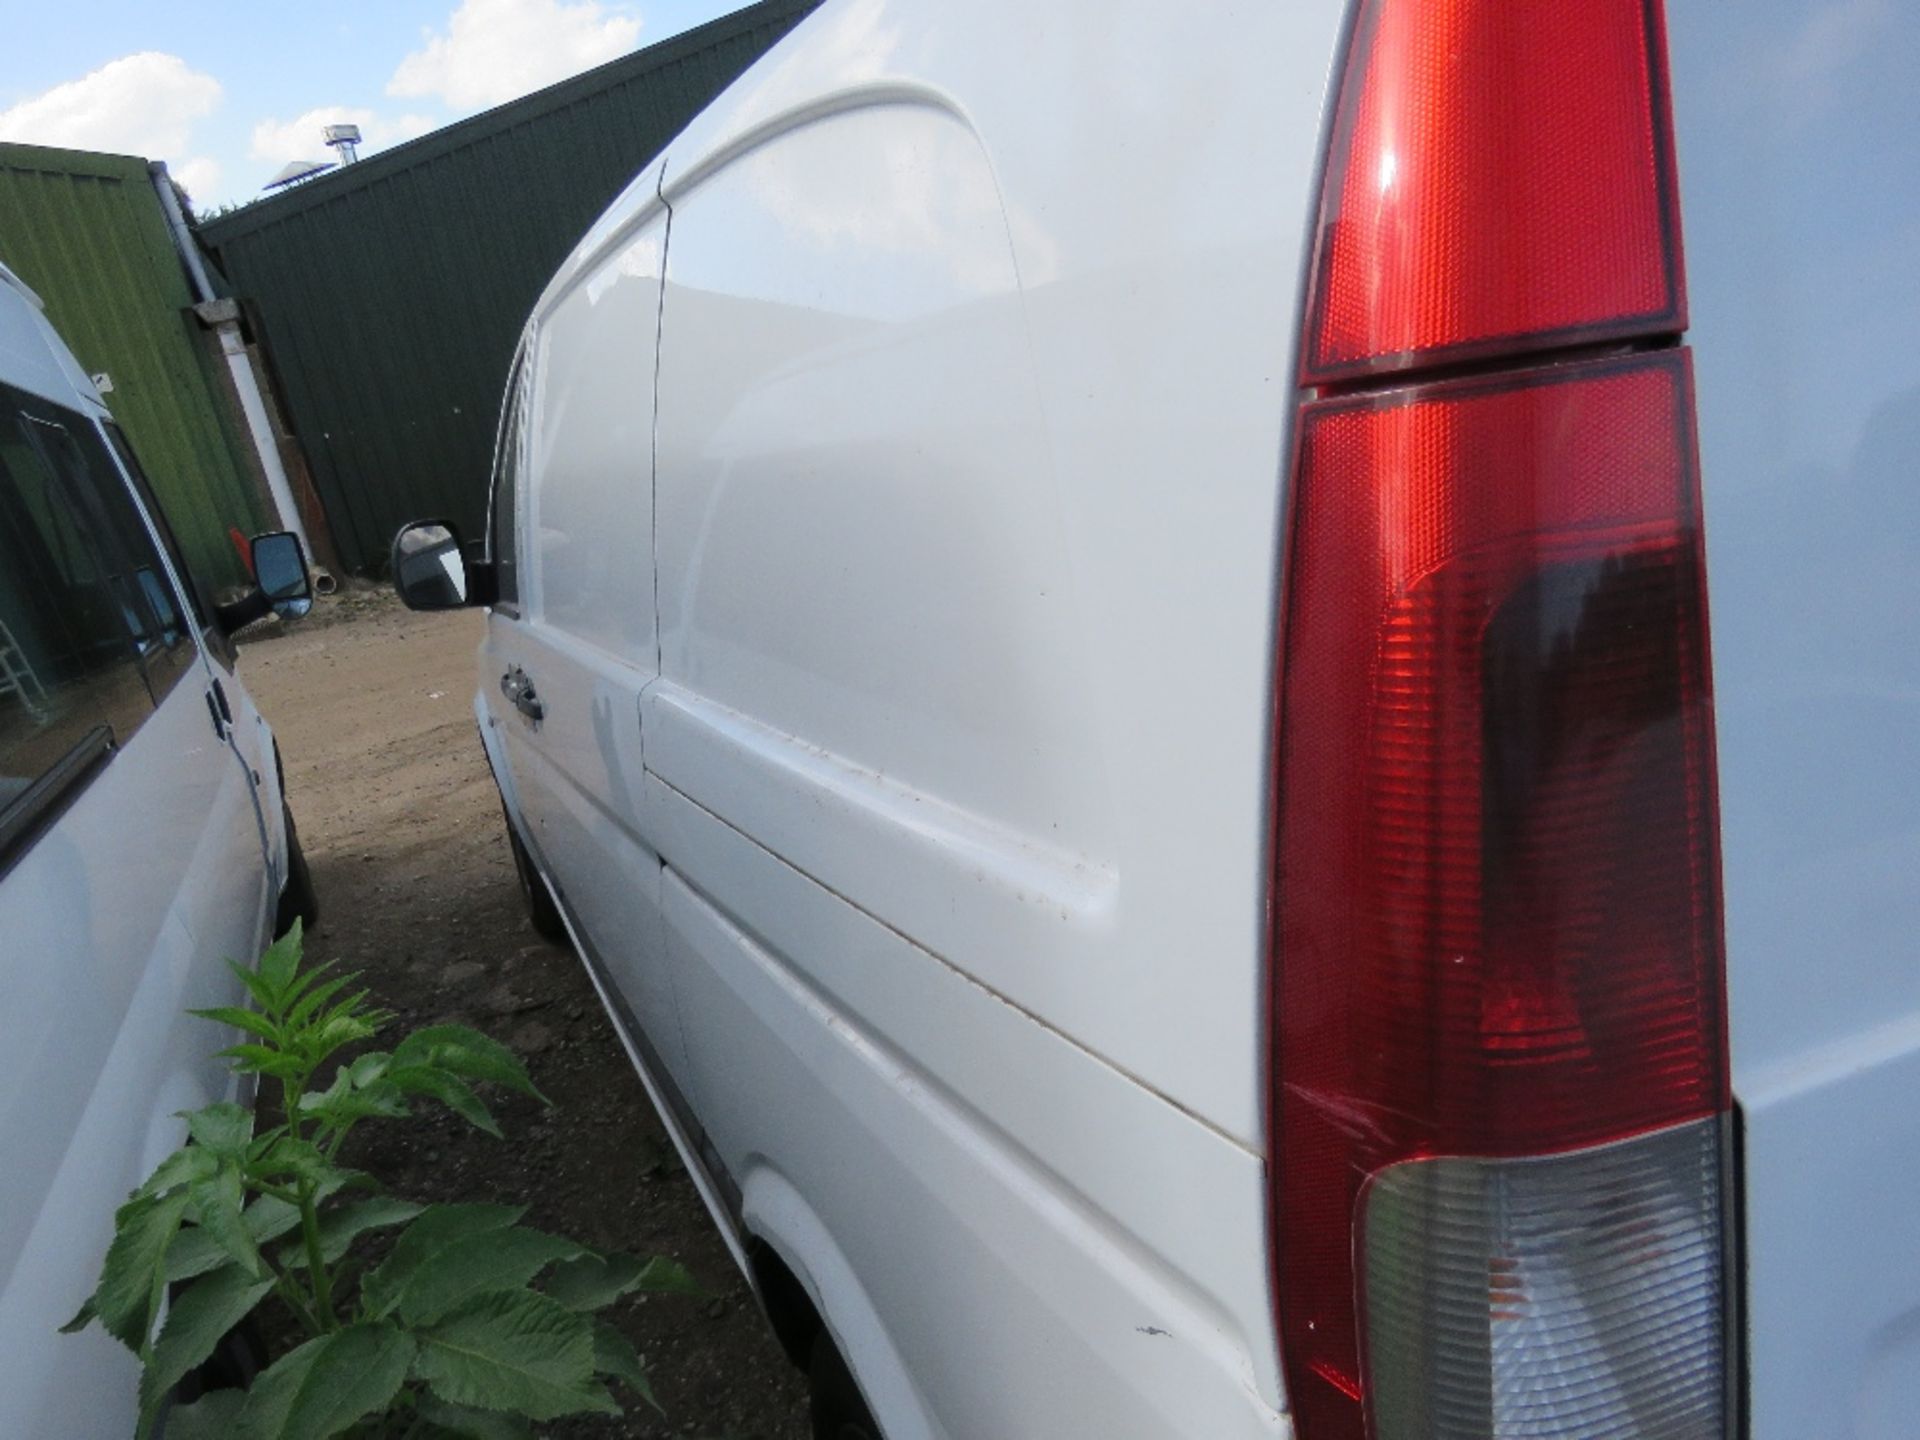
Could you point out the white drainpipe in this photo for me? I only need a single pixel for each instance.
(224, 316)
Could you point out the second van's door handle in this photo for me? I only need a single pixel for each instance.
(517, 686)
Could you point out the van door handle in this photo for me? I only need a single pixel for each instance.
(517, 686)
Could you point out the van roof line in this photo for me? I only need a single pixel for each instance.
(7, 277)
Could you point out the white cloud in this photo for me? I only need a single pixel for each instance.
(200, 176)
(497, 50)
(144, 104)
(277, 141)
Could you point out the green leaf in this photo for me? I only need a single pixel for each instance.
(438, 1227)
(194, 1251)
(368, 1068)
(252, 1021)
(263, 993)
(203, 1312)
(450, 1090)
(340, 1104)
(464, 1423)
(593, 1280)
(319, 995)
(332, 1033)
(134, 1274)
(263, 1060)
(299, 992)
(280, 964)
(82, 1318)
(613, 1354)
(514, 1350)
(300, 1160)
(495, 1260)
(218, 1199)
(225, 1129)
(468, 1054)
(214, 1416)
(339, 1228)
(329, 1383)
(184, 1166)
(661, 1276)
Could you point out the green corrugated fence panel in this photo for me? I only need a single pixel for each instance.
(391, 293)
(87, 233)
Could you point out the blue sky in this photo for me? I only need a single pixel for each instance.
(228, 92)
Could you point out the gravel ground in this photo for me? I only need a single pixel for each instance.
(402, 826)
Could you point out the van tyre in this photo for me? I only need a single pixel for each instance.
(837, 1409)
(541, 911)
(298, 901)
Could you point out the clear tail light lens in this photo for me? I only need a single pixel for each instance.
(1575, 1295)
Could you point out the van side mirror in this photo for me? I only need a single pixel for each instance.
(431, 571)
(281, 584)
(280, 570)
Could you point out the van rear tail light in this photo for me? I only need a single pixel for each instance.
(1499, 1073)
(1500, 179)
(1500, 1065)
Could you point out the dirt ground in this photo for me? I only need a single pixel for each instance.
(401, 823)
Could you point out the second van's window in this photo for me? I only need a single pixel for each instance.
(90, 634)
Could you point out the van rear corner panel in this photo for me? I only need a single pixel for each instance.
(1798, 134)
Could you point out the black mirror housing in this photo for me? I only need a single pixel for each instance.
(432, 572)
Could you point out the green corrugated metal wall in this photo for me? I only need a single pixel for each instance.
(391, 293)
(87, 233)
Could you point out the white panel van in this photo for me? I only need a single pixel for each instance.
(145, 841)
(1099, 629)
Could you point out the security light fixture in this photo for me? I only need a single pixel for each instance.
(345, 139)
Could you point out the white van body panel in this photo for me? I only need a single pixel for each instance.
(910, 852)
(35, 358)
(973, 369)
(117, 918)
(982, 597)
(1798, 130)
(910, 288)
(903, 1101)
(927, 616)
(113, 932)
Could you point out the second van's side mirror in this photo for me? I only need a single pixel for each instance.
(431, 571)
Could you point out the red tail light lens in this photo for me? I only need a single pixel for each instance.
(1501, 178)
(1497, 914)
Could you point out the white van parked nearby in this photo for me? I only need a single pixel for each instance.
(1098, 629)
(144, 842)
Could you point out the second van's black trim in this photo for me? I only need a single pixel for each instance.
(41, 803)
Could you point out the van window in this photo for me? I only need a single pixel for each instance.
(163, 635)
(90, 634)
(506, 477)
(199, 602)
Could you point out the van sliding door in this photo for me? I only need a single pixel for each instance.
(571, 654)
